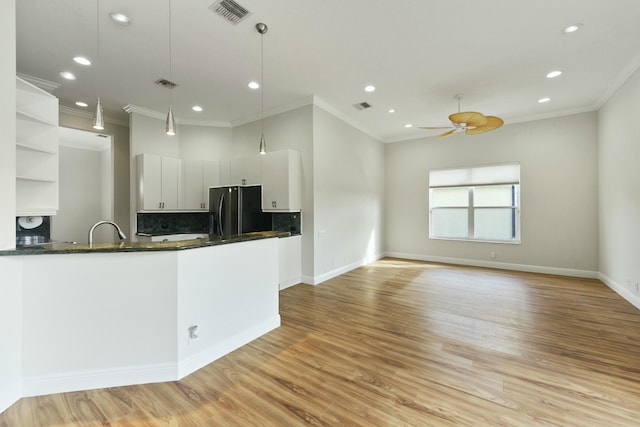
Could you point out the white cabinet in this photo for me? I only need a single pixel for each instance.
(245, 170)
(197, 177)
(36, 151)
(290, 249)
(281, 181)
(158, 182)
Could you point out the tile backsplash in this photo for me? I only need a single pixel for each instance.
(173, 223)
(290, 222)
(198, 222)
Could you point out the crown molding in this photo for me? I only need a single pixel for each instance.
(41, 83)
(300, 102)
(320, 103)
(130, 108)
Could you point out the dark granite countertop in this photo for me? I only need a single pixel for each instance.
(126, 246)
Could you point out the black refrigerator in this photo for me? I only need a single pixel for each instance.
(237, 209)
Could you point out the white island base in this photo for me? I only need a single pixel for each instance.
(94, 320)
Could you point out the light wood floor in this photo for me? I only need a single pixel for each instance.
(401, 343)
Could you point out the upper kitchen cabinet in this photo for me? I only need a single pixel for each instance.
(197, 177)
(245, 170)
(36, 151)
(158, 182)
(281, 181)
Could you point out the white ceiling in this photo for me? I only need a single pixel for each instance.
(418, 54)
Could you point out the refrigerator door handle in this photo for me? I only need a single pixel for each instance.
(220, 204)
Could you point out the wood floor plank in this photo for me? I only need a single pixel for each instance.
(401, 343)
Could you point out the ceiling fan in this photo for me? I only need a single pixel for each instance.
(469, 122)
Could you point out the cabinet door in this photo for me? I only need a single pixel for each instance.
(149, 182)
(210, 178)
(170, 182)
(281, 181)
(192, 174)
(290, 261)
(275, 181)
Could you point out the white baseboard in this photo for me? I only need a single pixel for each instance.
(316, 280)
(290, 283)
(620, 290)
(208, 355)
(87, 380)
(587, 274)
(10, 394)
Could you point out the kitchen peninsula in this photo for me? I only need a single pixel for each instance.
(130, 313)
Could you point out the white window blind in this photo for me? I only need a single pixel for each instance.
(479, 203)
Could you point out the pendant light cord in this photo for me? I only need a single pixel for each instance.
(262, 83)
(170, 58)
(97, 30)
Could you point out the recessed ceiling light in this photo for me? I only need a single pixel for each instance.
(543, 100)
(196, 108)
(120, 18)
(254, 85)
(572, 28)
(408, 125)
(81, 60)
(82, 104)
(554, 74)
(369, 88)
(391, 110)
(68, 75)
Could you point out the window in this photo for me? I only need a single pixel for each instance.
(478, 204)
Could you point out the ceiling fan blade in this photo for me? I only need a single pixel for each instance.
(444, 135)
(471, 118)
(434, 127)
(493, 122)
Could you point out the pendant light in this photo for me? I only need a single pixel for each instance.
(98, 123)
(262, 29)
(170, 125)
(98, 120)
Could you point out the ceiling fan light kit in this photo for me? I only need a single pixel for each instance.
(469, 122)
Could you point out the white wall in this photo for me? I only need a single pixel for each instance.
(10, 288)
(348, 196)
(8, 125)
(559, 198)
(120, 159)
(619, 184)
(82, 204)
(292, 129)
(147, 136)
(204, 142)
(10, 331)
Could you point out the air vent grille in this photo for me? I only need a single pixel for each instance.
(229, 10)
(166, 83)
(362, 105)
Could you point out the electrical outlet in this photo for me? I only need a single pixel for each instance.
(193, 332)
(493, 254)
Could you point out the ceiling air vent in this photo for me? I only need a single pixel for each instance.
(229, 10)
(166, 83)
(362, 105)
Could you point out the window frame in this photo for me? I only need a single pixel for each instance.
(515, 209)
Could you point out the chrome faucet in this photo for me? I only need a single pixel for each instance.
(121, 235)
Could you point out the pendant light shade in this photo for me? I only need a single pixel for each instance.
(263, 145)
(262, 29)
(171, 123)
(98, 122)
